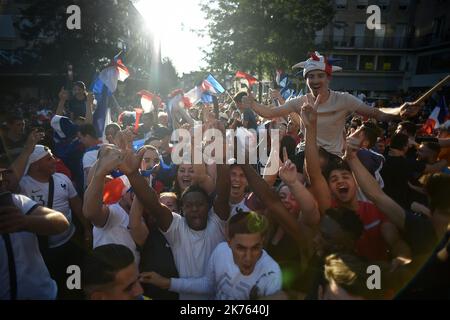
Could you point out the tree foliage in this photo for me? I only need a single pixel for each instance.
(106, 28)
(261, 35)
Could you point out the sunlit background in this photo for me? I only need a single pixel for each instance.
(172, 23)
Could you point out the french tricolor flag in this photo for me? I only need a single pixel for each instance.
(147, 100)
(438, 116)
(115, 189)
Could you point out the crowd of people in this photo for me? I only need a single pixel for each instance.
(357, 186)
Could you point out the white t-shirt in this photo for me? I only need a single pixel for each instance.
(33, 278)
(64, 190)
(89, 158)
(191, 249)
(224, 281)
(331, 118)
(115, 231)
(240, 205)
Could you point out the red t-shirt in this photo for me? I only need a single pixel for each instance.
(371, 245)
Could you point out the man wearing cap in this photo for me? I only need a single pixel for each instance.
(333, 107)
(55, 190)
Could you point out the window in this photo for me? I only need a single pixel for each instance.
(360, 29)
(7, 30)
(400, 36)
(379, 36)
(348, 62)
(319, 37)
(403, 4)
(438, 27)
(388, 63)
(362, 4)
(384, 4)
(338, 34)
(341, 4)
(366, 63)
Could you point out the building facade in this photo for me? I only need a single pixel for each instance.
(410, 49)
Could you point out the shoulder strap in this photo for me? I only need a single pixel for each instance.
(51, 192)
(43, 240)
(11, 267)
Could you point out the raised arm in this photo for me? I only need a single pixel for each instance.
(270, 112)
(19, 165)
(138, 228)
(147, 195)
(319, 186)
(273, 203)
(63, 97)
(93, 208)
(308, 205)
(89, 118)
(370, 186)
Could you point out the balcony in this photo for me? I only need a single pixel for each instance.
(371, 42)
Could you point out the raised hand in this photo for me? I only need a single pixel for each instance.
(288, 170)
(110, 159)
(275, 94)
(410, 109)
(33, 138)
(309, 111)
(155, 279)
(63, 94)
(90, 98)
(353, 144)
(131, 161)
(124, 139)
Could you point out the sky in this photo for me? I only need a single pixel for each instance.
(172, 21)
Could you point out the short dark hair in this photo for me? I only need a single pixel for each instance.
(409, 126)
(437, 186)
(433, 146)
(114, 126)
(371, 132)
(348, 220)
(238, 97)
(195, 188)
(80, 84)
(337, 164)
(88, 129)
(247, 222)
(103, 263)
(399, 141)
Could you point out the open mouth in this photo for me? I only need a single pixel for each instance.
(343, 190)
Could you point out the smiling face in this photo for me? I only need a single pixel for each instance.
(185, 175)
(238, 184)
(150, 159)
(342, 186)
(195, 209)
(318, 82)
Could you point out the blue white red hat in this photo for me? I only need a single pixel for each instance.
(317, 62)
